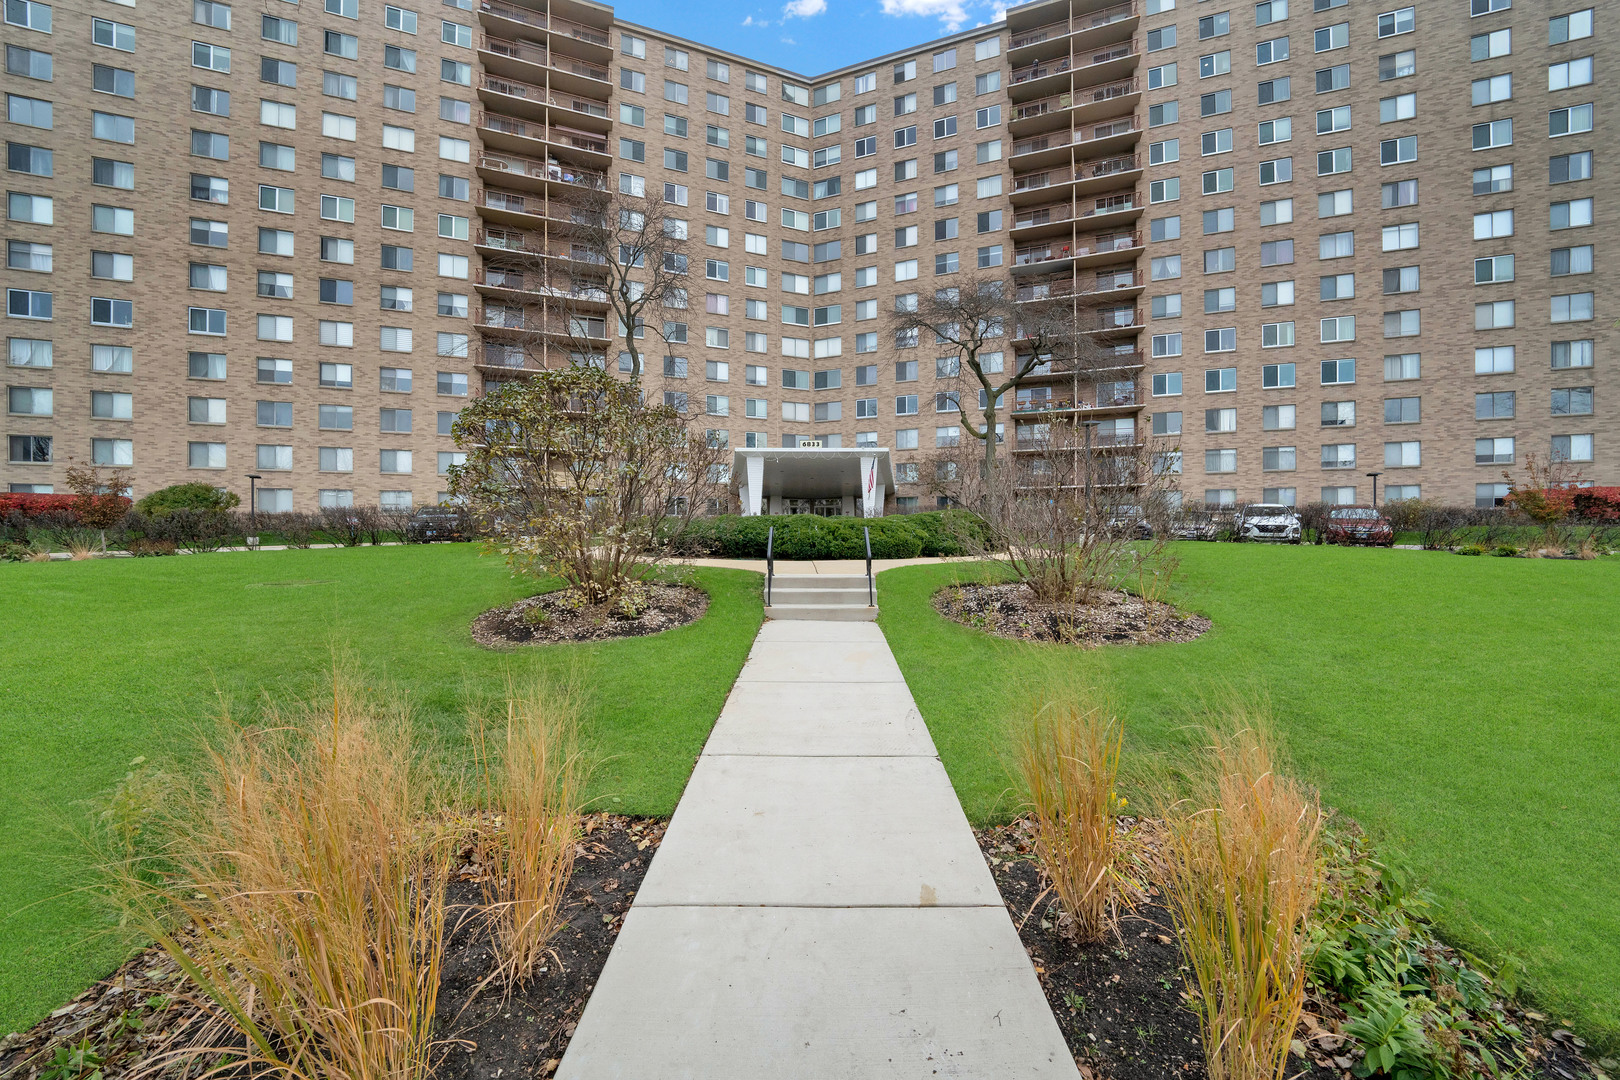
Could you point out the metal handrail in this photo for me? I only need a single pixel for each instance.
(871, 600)
(770, 562)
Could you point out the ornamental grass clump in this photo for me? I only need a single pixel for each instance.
(1068, 756)
(536, 779)
(298, 888)
(1242, 878)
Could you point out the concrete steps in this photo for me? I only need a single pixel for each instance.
(821, 597)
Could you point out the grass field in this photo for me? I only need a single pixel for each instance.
(1467, 711)
(109, 659)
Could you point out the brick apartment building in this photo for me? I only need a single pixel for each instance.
(1323, 240)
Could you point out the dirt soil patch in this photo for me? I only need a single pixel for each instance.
(1118, 618)
(1123, 1005)
(145, 1008)
(524, 1035)
(562, 616)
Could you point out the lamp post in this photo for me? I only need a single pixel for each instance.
(1089, 425)
(253, 509)
(1375, 476)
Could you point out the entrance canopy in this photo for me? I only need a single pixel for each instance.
(812, 480)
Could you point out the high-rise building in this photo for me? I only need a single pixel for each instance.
(1318, 243)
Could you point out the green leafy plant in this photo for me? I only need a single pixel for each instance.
(77, 1062)
(1473, 549)
(1387, 1026)
(1506, 551)
(196, 496)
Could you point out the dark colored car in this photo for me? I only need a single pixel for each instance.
(437, 523)
(1359, 525)
(1197, 525)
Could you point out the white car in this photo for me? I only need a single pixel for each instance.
(1269, 522)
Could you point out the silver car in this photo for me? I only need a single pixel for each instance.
(1269, 522)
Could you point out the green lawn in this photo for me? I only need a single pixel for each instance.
(105, 660)
(1467, 711)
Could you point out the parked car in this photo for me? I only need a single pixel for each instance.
(436, 523)
(1269, 522)
(1197, 525)
(1129, 521)
(1359, 525)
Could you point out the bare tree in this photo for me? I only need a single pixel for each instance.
(607, 257)
(1075, 507)
(976, 324)
(573, 473)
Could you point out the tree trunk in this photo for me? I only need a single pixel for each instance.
(987, 468)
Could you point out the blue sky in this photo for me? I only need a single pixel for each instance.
(811, 36)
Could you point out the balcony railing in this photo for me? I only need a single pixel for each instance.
(534, 244)
(530, 92)
(543, 170)
(566, 136)
(592, 34)
(1123, 126)
(529, 281)
(1110, 281)
(1091, 245)
(1089, 170)
(1090, 21)
(1074, 63)
(1086, 95)
(1116, 399)
(535, 53)
(532, 321)
(1116, 319)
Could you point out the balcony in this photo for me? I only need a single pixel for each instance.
(1086, 251)
(514, 97)
(508, 133)
(534, 320)
(1055, 147)
(540, 283)
(534, 174)
(1065, 406)
(1056, 219)
(1033, 189)
(533, 244)
(497, 11)
(1083, 31)
(1084, 105)
(1053, 77)
(528, 60)
(1118, 282)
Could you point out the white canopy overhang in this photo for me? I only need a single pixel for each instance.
(860, 478)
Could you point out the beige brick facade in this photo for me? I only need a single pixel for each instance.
(528, 102)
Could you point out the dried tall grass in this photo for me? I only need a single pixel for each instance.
(536, 784)
(1243, 878)
(296, 887)
(1068, 756)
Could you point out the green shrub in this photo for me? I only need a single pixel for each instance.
(1505, 551)
(805, 536)
(12, 551)
(196, 496)
(1472, 549)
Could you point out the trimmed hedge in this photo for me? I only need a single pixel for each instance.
(806, 536)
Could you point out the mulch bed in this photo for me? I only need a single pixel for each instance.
(525, 1034)
(142, 1009)
(1123, 1006)
(1118, 618)
(561, 616)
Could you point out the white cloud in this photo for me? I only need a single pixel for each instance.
(803, 9)
(748, 21)
(789, 41)
(951, 13)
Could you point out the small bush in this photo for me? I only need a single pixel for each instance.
(1243, 879)
(1473, 549)
(1068, 756)
(13, 551)
(141, 547)
(806, 536)
(307, 891)
(536, 791)
(1506, 551)
(195, 496)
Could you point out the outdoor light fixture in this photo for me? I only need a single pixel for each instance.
(253, 509)
(1375, 476)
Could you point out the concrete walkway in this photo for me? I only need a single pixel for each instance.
(819, 908)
